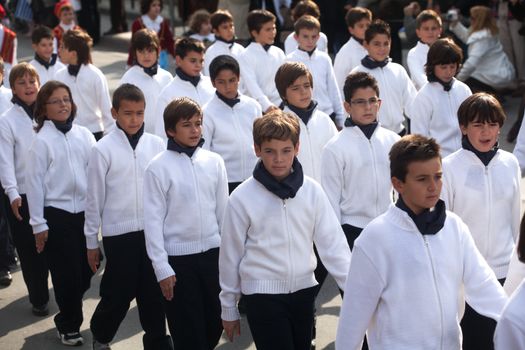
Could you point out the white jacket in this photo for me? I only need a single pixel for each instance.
(228, 132)
(115, 182)
(5, 99)
(403, 287)
(184, 201)
(347, 58)
(44, 74)
(416, 61)
(220, 48)
(267, 243)
(519, 149)
(510, 330)
(487, 198)
(151, 87)
(56, 173)
(355, 174)
(516, 273)
(433, 113)
(290, 44)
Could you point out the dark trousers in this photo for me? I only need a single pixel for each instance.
(34, 266)
(67, 259)
(477, 86)
(129, 274)
(281, 321)
(194, 313)
(7, 249)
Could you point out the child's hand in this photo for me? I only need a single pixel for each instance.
(166, 286)
(17, 203)
(232, 328)
(93, 256)
(40, 240)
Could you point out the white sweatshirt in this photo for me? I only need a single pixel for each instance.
(516, 273)
(184, 201)
(355, 174)
(267, 243)
(56, 173)
(228, 132)
(403, 287)
(44, 74)
(416, 61)
(290, 44)
(510, 330)
(5, 99)
(519, 149)
(220, 48)
(115, 182)
(487, 198)
(347, 58)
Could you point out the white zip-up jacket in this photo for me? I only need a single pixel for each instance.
(290, 44)
(325, 91)
(184, 201)
(220, 48)
(267, 243)
(355, 174)
(519, 149)
(433, 113)
(5, 99)
(396, 91)
(115, 184)
(403, 287)
(56, 173)
(44, 74)
(228, 132)
(347, 58)
(510, 330)
(487, 198)
(416, 61)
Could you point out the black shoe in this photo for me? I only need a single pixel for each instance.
(5, 278)
(41, 310)
(71, 339)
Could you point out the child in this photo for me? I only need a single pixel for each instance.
(428, 30)
(326, 91)
(5, 93)
(8, 47)
(56, 181)
(433, 112)
(224, 30)
(395, 85)
(482, 173)
(45, 61)
(200, 27)
(303, 8)
(151, 19)
(350, 55)
(260, 60)
(16, 136)
(270, 225)
(188, 82)
(146, 73)
(116, 206)
(87, 83)
(185, 193)
(410, 264)
(228, 121)
(66, 15)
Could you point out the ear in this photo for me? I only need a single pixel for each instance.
(397, 184)
(463, 129)
(296, 148)
(114, 113)
(348, 107)
(33, 46)
(178, 60)
(257, 150)
(171, 133)
(295, 36)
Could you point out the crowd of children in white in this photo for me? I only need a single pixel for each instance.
(260, 177)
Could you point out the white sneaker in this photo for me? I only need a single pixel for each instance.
(71, 339)
(100, 346)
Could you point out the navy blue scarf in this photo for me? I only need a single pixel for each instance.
(133, 139)
(428, 222)
(229, 42)
(65, 126)
(229, 101)
(369, 63)
(29, 109)
(193, 80)
(73, 69)
(151, 71)
(368, 129)
(174, 146)
(288, 187)
(485, 157)
(304, 114)
(446, 86)
(45, 63)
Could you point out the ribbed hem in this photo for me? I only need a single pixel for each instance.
(185, 248)
(356, 221)
(163, 271)
(121, 227)
(277, 286)
(40, 228)
(500, 271)
(12, 194)
(230, 314)
(92, 242)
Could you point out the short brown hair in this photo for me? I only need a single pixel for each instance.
(305, 7)
(79, 41)
(219, 17)
(428, 15)
(182, 108)
(358, 80)
(409, 149)
(288, 73)
(21, 69)
(481, 108)
(377, 27)
(443, 51)
(306, 22)
(1, 67)
(43, 97)
(257, 18)
(184, 45)
(41, 32)
(355, 14)
(144, 39)
(128, 92)
(197, 19)
(277, 125)
(146, 4)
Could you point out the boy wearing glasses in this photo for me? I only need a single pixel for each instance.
(354, 164)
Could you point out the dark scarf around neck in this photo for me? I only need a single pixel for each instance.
(193, 80)
(446, 86)
(370, 63)
(304, 114)
(428, 222)
(485, 157)
(151, 71)
(229, 42)
(66, 126)
(133, 139)
(73, 69)
(266, 47)
(29, 109)
(189, 151)
(310, 53)
(360, 41)
(45, 63)
(288, 187)
(368, 130)
(229, 101)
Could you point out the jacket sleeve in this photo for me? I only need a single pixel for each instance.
(208, 128)
(335, 95)
(104, 103)
(7, 161)
(476, 51)
(332, 180)
(37, 164)
(509, 335)
(519, 149)
(460, 31)
(420, 113)
(417, 72)
(251, 85)
(447, 190)
(342, 67)
(222, 193)
(409, 93)
(515, 275)
(96, 197)
(161, 105)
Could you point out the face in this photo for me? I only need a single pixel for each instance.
(26, 88)
(227, 83)
(187, 133)
(67, 16)
(277, 157)
(363, 106)
(191, 64)
(67, 56)
(58, 106)
(205, 28)
(379, 47)
(422, 185)
(147, 57)
(429, 32)
(483, 136)
(265, 36)
(359, 28)
(154, 9)
(44, 49)
(445, 72)
(130, 115)
(307, 39)
(226, 30)
(299, 94)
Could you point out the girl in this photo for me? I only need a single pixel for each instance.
(56, 191)
(200, 27)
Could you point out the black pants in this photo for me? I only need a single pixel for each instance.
(281, 321)
(67, 259)
(128, 274)
(194, 313)
(34, 265)
(478, 86)
(7, 249)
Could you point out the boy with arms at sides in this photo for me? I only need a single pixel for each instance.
(326, 91)
(261, 59)
(5, 93)
(255, 257)
(45, 61)
(116, 207)
(66, 16)
(411, 264)
(396, 88)
(305, 8)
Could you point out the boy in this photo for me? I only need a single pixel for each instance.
(115, 206)
(66, 15)
(228, 121)
(146, 73)
(428, 30)
(303, 8)
(395, 85)
(185, 193)
(260, 60)
(87, 83)
(45, 61)
(326, 92)
(188, 81)
(411, 264)
(354, 164)
(350, 55)
(8, 47)
(269, 258)
(224, 30)
(5, 93)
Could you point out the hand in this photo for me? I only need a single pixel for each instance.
(232, 328)
(271, 108)
(40, 239)
(15, 205)
(93, 256)
(166, 286)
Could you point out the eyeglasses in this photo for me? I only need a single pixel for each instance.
(59, 101)
(372, 101)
